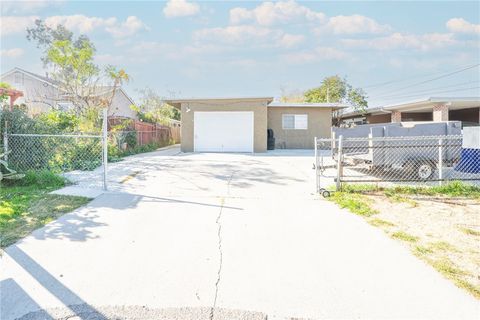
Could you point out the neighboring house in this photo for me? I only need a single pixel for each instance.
(465, 109)
(42, 94)
(240, 124)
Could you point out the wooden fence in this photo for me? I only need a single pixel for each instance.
(149, 132)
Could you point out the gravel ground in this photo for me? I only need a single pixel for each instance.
(441, 227)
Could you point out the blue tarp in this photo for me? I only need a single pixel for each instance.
(469, 161)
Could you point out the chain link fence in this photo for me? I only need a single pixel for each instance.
(414, 160)
(56, 153)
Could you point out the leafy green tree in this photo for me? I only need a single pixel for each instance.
(71, 60)
(44, 36)
(337, 90)
(153, 108)
(334, 89)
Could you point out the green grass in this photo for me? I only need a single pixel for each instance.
(381, 223)
(400, 199)
(442, 246)
(421, 251)
(447, 268)
(470, 232)
(400, 235)
(474, 290)
(452, 189)
(25, 205)
(356, 203)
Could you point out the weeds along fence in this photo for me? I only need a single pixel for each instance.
(146, 132)
(128, 140)
(79, 153)
(57, 153)
(414, 160)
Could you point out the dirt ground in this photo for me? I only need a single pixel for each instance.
(444, 232)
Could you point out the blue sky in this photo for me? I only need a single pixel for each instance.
(214, 48)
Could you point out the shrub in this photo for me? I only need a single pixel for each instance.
(131, 139)
(60, 121)
(42, 179)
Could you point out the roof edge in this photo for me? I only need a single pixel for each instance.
(177, 102)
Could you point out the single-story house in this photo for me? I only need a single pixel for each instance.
(465, 109)
(241, 124)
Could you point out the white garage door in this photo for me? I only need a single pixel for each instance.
(223, 131)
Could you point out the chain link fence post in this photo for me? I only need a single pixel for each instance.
(5, 144)
(105, 147)
(440, 161)
(339, 163)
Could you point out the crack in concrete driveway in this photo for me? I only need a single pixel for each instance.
(220, 259)
(149, 249)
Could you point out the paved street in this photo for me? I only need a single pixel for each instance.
(222, 236)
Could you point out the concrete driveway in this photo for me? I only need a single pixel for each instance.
(219, 236)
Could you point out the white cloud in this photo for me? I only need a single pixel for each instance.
(85, 24)
(243, 34)
(13, 25)
(238, 15)
(236, 35)
(79, 22)
(11, 53)
(272, 13)
(353, 24)
(317, 54)
(180, 8)
(23, 7)
(131, 26)
(397, 40)
(290, 40)
(460, 25)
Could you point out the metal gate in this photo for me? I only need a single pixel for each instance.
(413, 160)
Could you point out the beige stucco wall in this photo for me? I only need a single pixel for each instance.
(319, 125)
(259, 118)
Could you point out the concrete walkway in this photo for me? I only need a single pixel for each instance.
(219, 236)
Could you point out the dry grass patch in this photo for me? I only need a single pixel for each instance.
(380, 223)
(400, 235)
(440, 225)
(470, 232)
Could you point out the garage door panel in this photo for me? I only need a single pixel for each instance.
(223, 131)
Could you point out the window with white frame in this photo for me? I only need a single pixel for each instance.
(295, 121)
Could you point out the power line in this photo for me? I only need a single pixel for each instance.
(401, 80)
(434, 79)
(427, 90)
(437, 92)
(406, 79)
